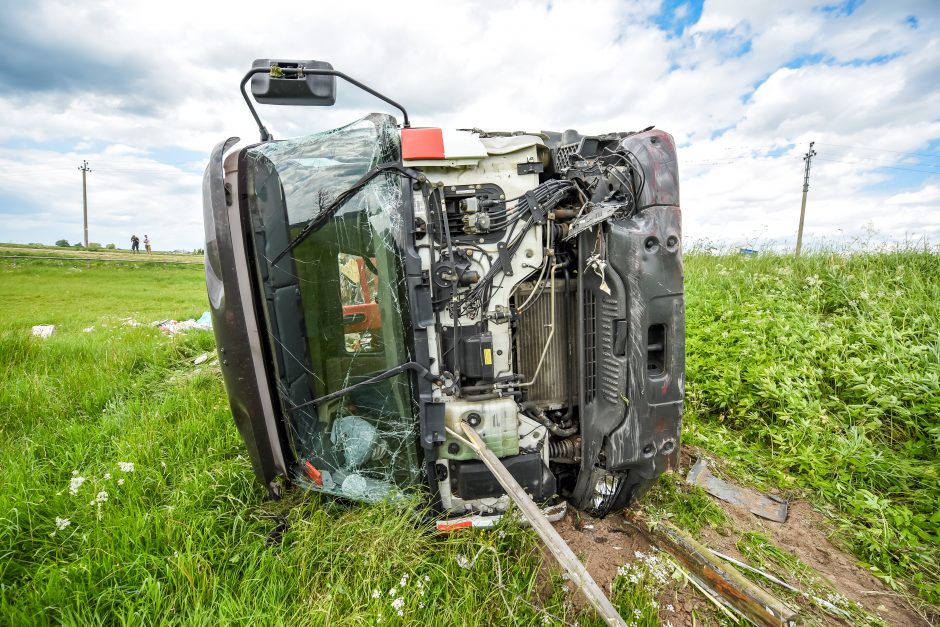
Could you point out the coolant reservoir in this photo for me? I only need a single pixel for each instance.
(497, 422)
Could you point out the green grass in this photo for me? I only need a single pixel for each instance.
(187, 536)
(685, 506)
(822, 375)
(816, 388)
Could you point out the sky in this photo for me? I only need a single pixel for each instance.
(143, 91)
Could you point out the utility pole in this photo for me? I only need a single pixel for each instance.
(808, 158)
(85, 170)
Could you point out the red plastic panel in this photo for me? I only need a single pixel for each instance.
(422, 143)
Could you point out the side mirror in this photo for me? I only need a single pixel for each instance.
(293, 87)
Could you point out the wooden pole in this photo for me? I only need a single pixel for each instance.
(555, 543)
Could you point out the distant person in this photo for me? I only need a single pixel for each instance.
(147, 243)
(135, 244)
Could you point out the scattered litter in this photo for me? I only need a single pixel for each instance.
(201, 359)
(43, 330)
(130, 322)
(88, 329)
(172, 327)
(766, 506)
(588, 527)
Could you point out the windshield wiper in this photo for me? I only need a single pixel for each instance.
(323, 217)
(388, 374)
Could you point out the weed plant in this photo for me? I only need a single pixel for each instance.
(822, 375)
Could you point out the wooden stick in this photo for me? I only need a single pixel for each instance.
(555, 543)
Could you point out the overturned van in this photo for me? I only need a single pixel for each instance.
(374, 286)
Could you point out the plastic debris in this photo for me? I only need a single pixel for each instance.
(88, 329)
(172, 327)
(766, 506)
(43, 330)
(201, 359)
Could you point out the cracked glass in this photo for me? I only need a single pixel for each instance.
(336, 305)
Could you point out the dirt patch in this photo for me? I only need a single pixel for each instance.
(605, 545)
(806, 535)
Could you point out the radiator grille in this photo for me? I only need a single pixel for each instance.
(590, 347)
(552, 386)
(610, 367)
(562, 156)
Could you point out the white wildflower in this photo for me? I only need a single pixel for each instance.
(101, 497)
(75, 483)
(126, 466)
(639, 554)
(863, 295)
(121, 481)
(62, 523)
(637, 612)
(393, 592)
(107, 476)
(404, 581)
(376, 594)
(74, 473)
(398, 604)
(670, 608)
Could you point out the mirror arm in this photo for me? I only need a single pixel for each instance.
(266, 136)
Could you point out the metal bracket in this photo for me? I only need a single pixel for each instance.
(535, 207)
(530, 168)
(504, 258)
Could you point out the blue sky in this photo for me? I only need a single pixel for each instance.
(143, 92)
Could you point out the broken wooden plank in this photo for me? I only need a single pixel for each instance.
(746, 597)
(766, 506)
(555, 543)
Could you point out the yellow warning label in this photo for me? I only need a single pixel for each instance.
(487, 356)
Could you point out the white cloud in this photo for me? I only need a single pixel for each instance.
(125, 85)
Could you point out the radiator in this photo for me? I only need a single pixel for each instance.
(559, 372)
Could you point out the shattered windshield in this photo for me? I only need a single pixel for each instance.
(337, 311)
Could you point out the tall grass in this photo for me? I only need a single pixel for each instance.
(823, 374)
(185, 536)
(819, 375)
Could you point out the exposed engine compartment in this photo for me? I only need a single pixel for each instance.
(538, 253)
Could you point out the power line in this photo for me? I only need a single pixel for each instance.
(890, 167)
(923, 165)
(898, 152)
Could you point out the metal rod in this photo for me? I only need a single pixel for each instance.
(746, 597)
(555, 543)
(826, 605)
(266, 136)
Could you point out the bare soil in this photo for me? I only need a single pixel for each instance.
(604, 545)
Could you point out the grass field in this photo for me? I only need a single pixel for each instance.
(818, 377)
